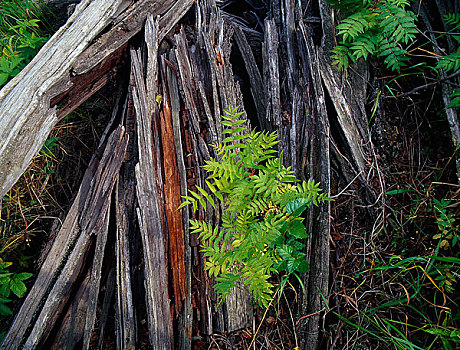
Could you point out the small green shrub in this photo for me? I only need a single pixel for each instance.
(10, 282)
(262, 228)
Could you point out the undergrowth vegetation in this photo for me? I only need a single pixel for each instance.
(388, 29)
(23, 30)
(397, 278)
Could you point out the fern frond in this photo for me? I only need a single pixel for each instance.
(399, 3)
(354, 25)
(452, 19)
(363, 46)
(394, 55)
(396, 23)
(254, 188)
(340, 56)
(450, 62)
(455, 99)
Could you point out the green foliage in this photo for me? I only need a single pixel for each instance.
(373, 28)
(449, 62)
(10, 282)
(455, 99)
(422, 278)
(49, 146)
(21, 35)
(262, 203)
(452, 19)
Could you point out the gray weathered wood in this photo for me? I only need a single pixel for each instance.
(106, 303)
(91, 221)
(54, 262)
(25, 116)
(126, 329)
(257, 86)
(73, 325)
(271, 73)
(150, 219)
(186, 314)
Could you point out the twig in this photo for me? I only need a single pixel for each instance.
(413, 91)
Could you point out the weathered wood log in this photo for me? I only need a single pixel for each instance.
(186, 315)
(25, 116)
(296, 108)
(26, 113)
(172, 196)
(61, 268)
(125, 196)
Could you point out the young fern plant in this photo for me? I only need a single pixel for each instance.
(262, 229)
(373, 28)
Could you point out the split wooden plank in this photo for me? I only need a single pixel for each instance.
(73, 325)
(127, 25)
(124, 196)
(172, 197)
(91, 222)
(348, 94)
(271, 73)
(106, 303)
(318, 251)
(257, 86)
(95, 281)
(150, 220)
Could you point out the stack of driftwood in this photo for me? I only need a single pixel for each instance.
(123, 244)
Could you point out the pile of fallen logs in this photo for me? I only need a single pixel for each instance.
(123, 245)
(166, 116)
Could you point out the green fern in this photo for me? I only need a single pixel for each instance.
(262, 202)
(452, 19)
(450, 62)
(374, 29)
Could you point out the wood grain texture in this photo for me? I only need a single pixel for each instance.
(150, 219)
(27, 114)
